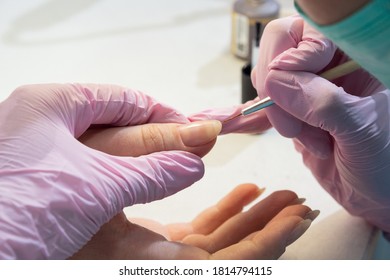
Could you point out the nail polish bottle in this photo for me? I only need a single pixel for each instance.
(249, 17)
(245, 15)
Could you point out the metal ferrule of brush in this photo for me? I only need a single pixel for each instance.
(257, 106)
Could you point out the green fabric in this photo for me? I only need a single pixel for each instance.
(364, 36)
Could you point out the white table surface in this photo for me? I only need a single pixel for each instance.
(174, 50)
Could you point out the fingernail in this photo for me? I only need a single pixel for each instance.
(312, 215)
(200, 132)
(298, 231)
(260, 191)
(299, 200)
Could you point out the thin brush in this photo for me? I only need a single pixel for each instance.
(334, 73)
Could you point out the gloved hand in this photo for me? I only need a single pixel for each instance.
(55, 192)
(355, 168)
(340, 127)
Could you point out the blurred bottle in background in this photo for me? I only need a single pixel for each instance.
(246, 14)
(249, 17)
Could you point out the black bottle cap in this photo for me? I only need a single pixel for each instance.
(248, 92)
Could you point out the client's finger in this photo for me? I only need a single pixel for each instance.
(197, 137)
(213, 217)
(297, 210)
(243, 224)
(269, 243)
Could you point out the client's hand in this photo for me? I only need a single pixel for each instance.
(223, 231)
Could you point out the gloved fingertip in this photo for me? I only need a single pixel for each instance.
(219, 114)
(286, 90)
(278, 84)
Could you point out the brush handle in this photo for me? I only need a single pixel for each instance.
(331, 74)
(340, 70)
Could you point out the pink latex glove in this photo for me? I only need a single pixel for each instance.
(341, 128)
(55, 193)
(355, 169)
(254, 123)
